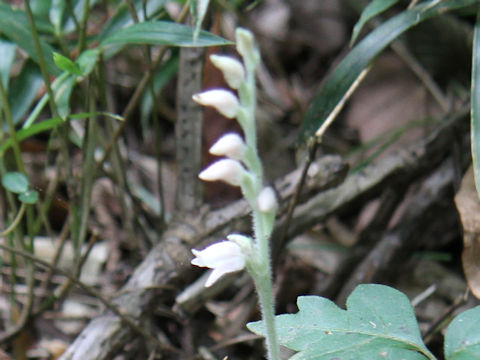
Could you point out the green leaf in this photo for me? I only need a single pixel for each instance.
(7, 49)
(15, 182)
(14, 25)
(28, 197)
(65, 64)
(87, 60)
(198, 9)
(379, 323)
(56, 85)
(475, 105)
(24, 89)
(162, 33)
(122, 18)
(376, 7)
(340, 84)
(56, 14)
(462, 340)
(40, 8)
(62, 95)
(50, 124)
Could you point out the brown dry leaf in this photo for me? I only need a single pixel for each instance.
(468, 205)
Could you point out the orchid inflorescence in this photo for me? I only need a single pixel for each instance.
(241, 166)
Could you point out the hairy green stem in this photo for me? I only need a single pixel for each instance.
(260, 271)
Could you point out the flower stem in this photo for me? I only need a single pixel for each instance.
(261, 271)
(265, 297)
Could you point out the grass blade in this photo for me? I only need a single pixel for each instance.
(376, 7)
(337, 87)
(475, 105)
(162, 33)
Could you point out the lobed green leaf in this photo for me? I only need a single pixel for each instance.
(462, 340)
(379, 323)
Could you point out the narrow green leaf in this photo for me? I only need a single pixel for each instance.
(62, 95)
(57, 83)
(65, 64)
(15, 26)
(28, 197)
(198, 9)
(162, 33)
(40, 8)
(56, 14)
(24, 89)
(462, 340)
(122, 18)
(7, 49)
(15, 182)
(376, 7)
(50, 124)
(379, 323)
(338, 87)
(475, 105)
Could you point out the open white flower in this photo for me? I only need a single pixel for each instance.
(226, 102)
(231, 68)
(228, 170)
(230, 145)
(223, 257)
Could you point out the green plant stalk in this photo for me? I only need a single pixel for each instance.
(82, 41)
(51, 98)
(260, 269)
(8, 115)
(41, 59)
(88, 171)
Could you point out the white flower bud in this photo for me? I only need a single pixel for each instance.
(224, 101)
(223, 257)
(228, 170)
(230, 145)
(246, 44)
(231, 68)
(267, 201)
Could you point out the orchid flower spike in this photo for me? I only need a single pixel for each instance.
(231, 68)
(230, 145)
(224, 101)
(223, 257)
(228, 170)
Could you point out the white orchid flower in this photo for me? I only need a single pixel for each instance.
(231, 68)
(223, 257)
(230, 145)
(226, 102)
(228, 170)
